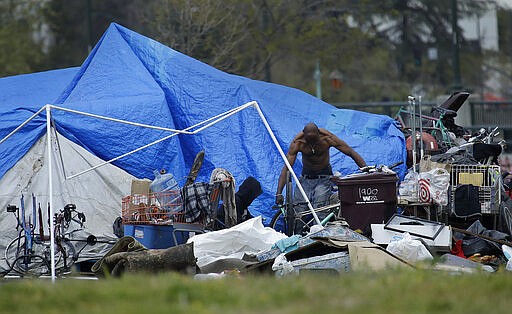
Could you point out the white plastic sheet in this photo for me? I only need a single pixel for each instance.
(248, 237)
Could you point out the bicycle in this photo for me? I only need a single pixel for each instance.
(437, 131)
(291, 221)
(304, 219)
(29, 254)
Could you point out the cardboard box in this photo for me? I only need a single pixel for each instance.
(140, 186)
(140, 193)
(426, 164)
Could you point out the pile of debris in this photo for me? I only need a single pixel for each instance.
(250, 247)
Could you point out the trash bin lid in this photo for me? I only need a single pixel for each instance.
(365, 178)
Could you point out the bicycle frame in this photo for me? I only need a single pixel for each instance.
(29, 232)
(29, 253)
(438, 130)
(297, 217)
(24, 254)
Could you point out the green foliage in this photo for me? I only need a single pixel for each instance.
(76, 26)
(20, 52)
(379, 47)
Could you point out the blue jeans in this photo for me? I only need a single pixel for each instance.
(317, 190)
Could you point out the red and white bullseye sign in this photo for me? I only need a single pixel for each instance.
(424, 191)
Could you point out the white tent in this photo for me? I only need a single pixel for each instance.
(97, 193)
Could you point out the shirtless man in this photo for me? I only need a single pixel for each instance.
(314, 144)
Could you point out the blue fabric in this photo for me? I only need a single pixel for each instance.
(132, 77)
(20, 97)
(287, 244)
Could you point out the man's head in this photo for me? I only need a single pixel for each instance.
(311, 133)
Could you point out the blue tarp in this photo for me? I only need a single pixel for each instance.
(131, 77)
(20, 97)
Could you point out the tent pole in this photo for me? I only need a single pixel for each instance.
(50, 188)
(22, 125)
(216, 119)
(274, 139)
(225, 116)
(119, 120)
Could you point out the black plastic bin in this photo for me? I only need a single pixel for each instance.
(367, 198)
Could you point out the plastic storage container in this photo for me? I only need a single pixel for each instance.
(156, 237)
(163, 182)
(367, 198)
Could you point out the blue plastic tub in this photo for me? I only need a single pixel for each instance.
(155, 237)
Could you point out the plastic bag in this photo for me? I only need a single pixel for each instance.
(433, 186)
(408, 188)
(408, 249)
(249, 237)
(507, 251)
(282, 267)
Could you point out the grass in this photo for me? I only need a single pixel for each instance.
(393, 291)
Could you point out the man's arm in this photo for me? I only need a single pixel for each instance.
(343, 147)
(291, 156)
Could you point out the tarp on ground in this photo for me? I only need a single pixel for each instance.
(131, 77)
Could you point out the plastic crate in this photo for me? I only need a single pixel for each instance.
(162, 208)
(485, 177)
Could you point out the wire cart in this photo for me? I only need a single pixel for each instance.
(158, 220)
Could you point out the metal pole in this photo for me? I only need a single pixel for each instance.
(274, 139)
(421, 128)
(215, 119)
(412, 103)
(89, 25)
(22, 125)
(119, 120)
(318, 78)
(50, 188)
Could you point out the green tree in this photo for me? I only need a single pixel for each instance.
(413, 26)
(21, 51)
(379, 47)
(76, 26)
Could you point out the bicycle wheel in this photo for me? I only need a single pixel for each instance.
(26, 262)
(67, 256)
(12, 251)
(278, 222)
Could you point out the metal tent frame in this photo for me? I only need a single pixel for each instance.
(191, 130)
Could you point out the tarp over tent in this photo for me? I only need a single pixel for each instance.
(131, 77)
(20, 97)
